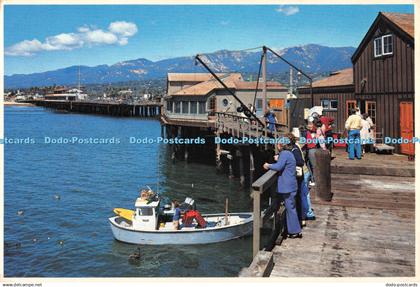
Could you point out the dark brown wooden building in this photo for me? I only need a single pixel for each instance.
(383, 67)
(381, 83)
(332, 93)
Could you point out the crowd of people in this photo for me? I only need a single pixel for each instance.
(295, 164)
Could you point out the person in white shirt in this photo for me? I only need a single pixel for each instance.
(365, 133)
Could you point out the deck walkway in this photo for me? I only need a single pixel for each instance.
(367, 230)
(373, 164)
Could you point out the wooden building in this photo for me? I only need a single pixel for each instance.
(380, 83)
(332, 93)
(65, 94)
(383, 67)
(195, 98)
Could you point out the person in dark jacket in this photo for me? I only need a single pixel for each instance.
(302, 191)
(287, 186)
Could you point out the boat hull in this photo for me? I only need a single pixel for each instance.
(188, 237)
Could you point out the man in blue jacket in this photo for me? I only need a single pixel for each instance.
(287, 186)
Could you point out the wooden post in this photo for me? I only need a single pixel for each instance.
(322, 172)
(218, 154)
(241, 166)
(256, 223)
(230, 158)
(251, 165)
(226, 211)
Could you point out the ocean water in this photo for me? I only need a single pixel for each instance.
(58, 197)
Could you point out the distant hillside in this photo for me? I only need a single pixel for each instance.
(310, 58)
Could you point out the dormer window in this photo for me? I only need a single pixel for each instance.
(383, 46)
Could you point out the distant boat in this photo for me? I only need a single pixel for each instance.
(149, 225)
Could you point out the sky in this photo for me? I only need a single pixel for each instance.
(40, 38)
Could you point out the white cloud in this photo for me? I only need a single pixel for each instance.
(117, 34)
(123, 41)
(288, 10)
(24, 48)
(83, 29)
(224, 22)
(123, 28)
(100, 37)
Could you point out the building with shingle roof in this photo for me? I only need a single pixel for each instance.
(198, 96)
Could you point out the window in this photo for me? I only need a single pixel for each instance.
(225, 102)
(330, 105)
(378, 47)
(211, 105)
(193, 107)
(383, 46)
(145, 211)
(350, 105)
(333, 104)
(325, 104)
(169, 106)
(201, 107)
(177, 107)
(185, 107)
(388, 49)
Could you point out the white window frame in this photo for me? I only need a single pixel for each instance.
(382, 41)
(383, 44)
(329, 108)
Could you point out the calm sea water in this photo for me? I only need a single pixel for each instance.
(68, 191)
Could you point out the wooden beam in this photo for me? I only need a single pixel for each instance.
(256, 223)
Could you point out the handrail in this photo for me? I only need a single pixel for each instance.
(259, 186)
(265, 181)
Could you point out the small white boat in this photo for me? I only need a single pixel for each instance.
(150, 226)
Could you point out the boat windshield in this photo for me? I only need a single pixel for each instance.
(145, 211)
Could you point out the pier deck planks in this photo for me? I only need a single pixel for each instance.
(367, 230)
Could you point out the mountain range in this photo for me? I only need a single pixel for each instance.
(309, 58)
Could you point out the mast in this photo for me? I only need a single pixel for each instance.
(79, 79)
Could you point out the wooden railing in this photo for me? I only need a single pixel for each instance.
(261, 185)
(240, 126)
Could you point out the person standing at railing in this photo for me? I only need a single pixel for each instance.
(287, 186)
(309, 133)
(303, 200)
(271, 120)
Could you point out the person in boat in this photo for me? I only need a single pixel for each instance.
(177, 214)
(287, 186)
(191, 215)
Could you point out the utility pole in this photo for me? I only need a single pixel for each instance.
(79, 78)
(291, 81)
(264, 91)
(264, 80)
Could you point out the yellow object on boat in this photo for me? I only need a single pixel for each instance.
(124, 213)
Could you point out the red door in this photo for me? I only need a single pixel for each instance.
(407, 126)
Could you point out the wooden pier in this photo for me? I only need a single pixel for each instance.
(146, 109)
(372, 237)
(366, 230)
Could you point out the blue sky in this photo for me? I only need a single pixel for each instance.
(46, 37)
